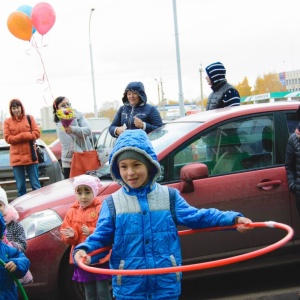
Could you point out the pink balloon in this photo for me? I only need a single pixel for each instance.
(43, 17)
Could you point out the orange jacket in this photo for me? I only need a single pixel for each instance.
(78, 216)
(18, 133)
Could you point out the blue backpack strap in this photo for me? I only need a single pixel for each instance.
(172, 195)
(112, 208)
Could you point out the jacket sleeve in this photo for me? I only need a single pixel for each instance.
(154, 120)
(202, 218)
(290, 164)
(19, 237)
(231, 98)
(116, 122)
(20, 260)
(83, 127)
(68, 223)
(24, 136)
(35, 131)
(101, 237)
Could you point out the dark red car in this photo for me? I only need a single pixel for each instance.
(233, 159)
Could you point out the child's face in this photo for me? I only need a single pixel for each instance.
(133, 172)
(84, 195)
(2, 208)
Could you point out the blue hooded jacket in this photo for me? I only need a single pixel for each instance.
(8, 289)
(144, 111)
(143, 232)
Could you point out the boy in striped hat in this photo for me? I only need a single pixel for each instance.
(223, 94)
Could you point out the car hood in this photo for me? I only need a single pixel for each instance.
(57, 196)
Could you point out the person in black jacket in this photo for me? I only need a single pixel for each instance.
(223, 94)
(136, 113)
(292, 162)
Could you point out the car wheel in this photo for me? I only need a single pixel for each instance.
(69, 289)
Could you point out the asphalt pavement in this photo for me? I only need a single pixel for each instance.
(271, 295)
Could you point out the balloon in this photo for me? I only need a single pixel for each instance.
(43, 17)
(26, 9)
(19, 25)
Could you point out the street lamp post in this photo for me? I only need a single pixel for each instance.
(158, 94)
(181, 99)
(92, 66)
(201, 87)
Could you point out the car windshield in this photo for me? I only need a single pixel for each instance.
(160, 138)
(166, 135)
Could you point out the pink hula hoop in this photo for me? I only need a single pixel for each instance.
(199, 266)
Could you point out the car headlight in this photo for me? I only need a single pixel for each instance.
(40, 222)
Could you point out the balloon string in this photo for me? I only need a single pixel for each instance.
(45, 76)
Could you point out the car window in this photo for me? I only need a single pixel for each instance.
(237, 146)
(109, 141)
(102, 138)
(4, 158)
(292, 122)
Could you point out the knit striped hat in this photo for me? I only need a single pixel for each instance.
(216, 72)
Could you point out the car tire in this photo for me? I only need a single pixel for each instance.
(69, 289)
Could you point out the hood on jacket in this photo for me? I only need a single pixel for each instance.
(11, 214)
(22, 108)
(2, 226)
(135, 140)
(137, 87)
(216, 73)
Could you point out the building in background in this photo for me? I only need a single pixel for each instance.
(290, 80)
(47, 122)
(271, 97)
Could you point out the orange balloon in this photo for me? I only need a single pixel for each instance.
(19, 25)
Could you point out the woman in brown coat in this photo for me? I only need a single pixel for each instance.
(18, 133)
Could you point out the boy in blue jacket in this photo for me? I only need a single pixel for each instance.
(141, 227)
(14, 262)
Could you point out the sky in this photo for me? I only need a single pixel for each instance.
(134, 40)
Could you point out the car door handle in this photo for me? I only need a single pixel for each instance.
(268, 185)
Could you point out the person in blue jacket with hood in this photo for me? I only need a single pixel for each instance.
(14, 262)
(136, 113)
(140, 225)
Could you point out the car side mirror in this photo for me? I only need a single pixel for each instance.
(189, 173)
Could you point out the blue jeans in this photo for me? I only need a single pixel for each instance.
(33, 174)
(97, 290)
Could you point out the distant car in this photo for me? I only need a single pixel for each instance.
(228, 158)
(105, 145)
(56, 145)
(49, 171)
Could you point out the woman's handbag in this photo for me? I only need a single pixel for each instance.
(84, 161)
(38, 154)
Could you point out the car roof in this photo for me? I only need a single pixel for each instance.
(207, 115)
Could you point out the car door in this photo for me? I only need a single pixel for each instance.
(245, 174)
(105, 145)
